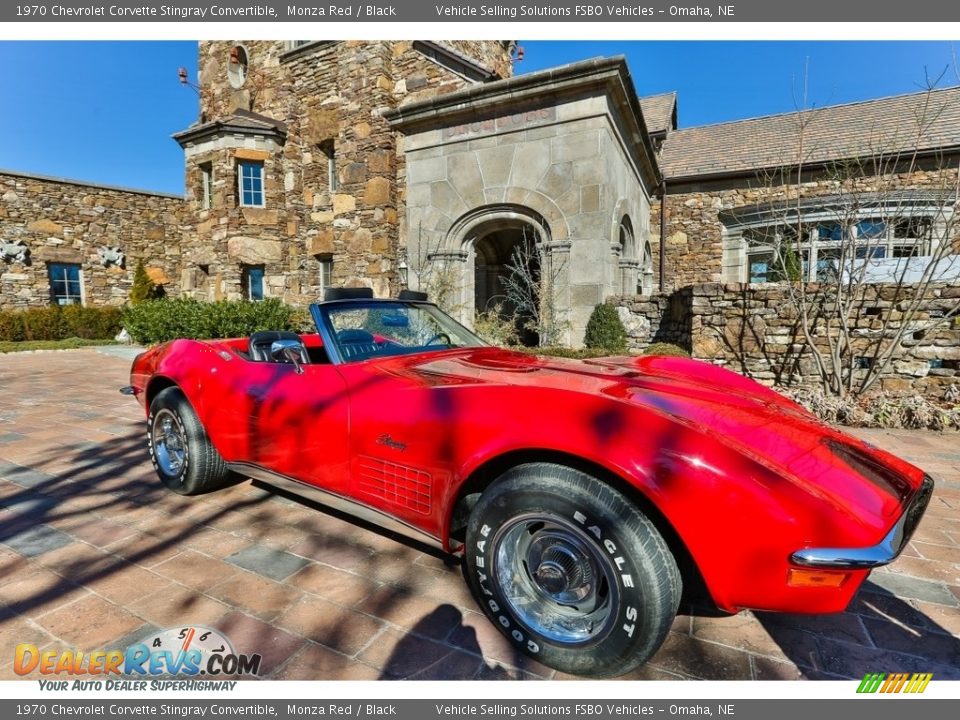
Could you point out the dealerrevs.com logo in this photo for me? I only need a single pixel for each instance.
(184, 651)
(894, 683)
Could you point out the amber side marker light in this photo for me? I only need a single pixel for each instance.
(804, 577)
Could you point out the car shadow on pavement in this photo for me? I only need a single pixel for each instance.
(419, 656)
(880, 632)
(95, 518)
(96, 512)
(108, 494)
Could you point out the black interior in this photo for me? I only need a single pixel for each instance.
(356, 344)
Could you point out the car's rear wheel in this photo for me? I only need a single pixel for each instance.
(180, 450)
(570, 570)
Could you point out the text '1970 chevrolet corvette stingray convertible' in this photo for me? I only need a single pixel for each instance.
(582, 495)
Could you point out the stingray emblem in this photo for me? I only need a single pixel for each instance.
(389, 442)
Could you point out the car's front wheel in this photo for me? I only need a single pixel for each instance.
(181, 452)
(570, 570)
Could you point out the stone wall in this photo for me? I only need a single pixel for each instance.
(65, 221)
(695, 232)
(753, 329)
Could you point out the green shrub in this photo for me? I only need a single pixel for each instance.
(662, 348)
(46, 323)
(54, 322)
(11, 326)
(565, 352)
(301, 321)
(605, 331)
(492, 326)
(155, 321)
(91, 323)
(143, 287)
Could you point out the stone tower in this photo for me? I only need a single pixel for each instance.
(294, 181)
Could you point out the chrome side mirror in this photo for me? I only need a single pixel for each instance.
(288, 351)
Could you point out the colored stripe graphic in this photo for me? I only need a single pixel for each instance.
(894, 683)
(919, 682)
(871, 682)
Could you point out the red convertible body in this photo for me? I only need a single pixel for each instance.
(450, 441)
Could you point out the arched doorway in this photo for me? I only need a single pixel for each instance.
(507, 277)
(506, 259)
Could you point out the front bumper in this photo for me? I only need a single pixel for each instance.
(883, 552)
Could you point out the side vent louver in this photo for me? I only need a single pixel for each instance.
(397, 484)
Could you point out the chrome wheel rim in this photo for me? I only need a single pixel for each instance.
(169, 443)
(555, 578)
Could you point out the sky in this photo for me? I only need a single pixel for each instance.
(104, 111)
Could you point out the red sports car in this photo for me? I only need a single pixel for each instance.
(583, 495)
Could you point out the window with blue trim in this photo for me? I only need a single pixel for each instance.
(253, 282)
(250, 177)
(65, 288)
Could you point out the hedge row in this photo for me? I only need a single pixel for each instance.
(58, 323)
(155, 321)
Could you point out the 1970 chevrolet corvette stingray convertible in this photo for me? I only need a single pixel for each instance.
(582, 495)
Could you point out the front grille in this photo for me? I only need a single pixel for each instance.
(917, 507)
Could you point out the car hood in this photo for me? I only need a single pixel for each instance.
(723, 406)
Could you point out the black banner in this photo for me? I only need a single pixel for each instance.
(420, 11)
(879, 709)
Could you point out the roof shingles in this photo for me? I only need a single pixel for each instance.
(927, 121)
(658, 112)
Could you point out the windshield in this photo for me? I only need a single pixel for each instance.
(360, 330)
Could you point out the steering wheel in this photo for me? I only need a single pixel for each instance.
(439, 336)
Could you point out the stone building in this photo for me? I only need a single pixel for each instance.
(560, 159)
(319, 163)
(66, 241)
(884, 170)
(358, 163)
(294, 179)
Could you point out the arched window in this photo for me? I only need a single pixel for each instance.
(824, 239)
(629, 262)
(237, 67)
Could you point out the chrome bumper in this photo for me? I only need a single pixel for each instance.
(883, 552)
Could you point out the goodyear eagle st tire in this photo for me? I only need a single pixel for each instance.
(570, 570)
(180, 450)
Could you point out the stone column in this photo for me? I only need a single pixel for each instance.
(555, 268)
(451, 277)
(629, 275)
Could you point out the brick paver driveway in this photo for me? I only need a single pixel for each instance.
(95, 553)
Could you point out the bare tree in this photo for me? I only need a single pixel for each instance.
(859, 265)
(435, 275)
(531, 285)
